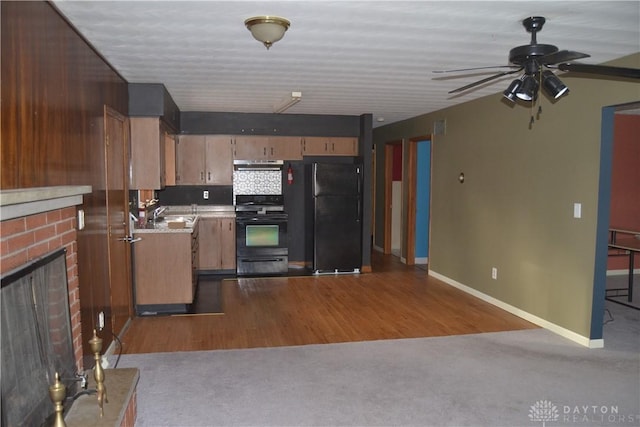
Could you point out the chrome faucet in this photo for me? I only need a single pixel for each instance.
(157, 212)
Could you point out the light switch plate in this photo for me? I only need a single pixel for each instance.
(577, 210)
(80, 219)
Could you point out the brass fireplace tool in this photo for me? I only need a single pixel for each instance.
(57, 393)
(98, 372)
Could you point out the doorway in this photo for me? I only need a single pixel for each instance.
(605, 214)
(423, 200)
(418, 200)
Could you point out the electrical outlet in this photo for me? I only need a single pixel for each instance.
(101, 320)
(205, 194)
(494, 273)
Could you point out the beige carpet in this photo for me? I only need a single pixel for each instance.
(516, 378)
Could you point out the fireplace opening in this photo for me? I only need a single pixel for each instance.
(36, 340)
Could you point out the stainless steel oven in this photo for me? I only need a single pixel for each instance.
(261, 236)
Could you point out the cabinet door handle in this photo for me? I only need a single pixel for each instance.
(201, 176)
(129, 239)
(209, 176)
(264, 151)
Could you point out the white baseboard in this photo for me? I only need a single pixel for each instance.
(624, 272)
(564, 332)
(423, 260)
(378, 249)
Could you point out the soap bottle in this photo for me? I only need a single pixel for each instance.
(142, 213)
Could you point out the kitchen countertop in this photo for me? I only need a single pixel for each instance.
(163, 227)
(209, 211)
(202, 210)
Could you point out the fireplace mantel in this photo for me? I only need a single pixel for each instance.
(29, 201)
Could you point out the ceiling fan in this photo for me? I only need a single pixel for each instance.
(537, 60)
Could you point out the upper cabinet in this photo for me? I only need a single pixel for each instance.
(169, 159)
(152, 154)
(204, 160)
(329, 146)
(258, 147)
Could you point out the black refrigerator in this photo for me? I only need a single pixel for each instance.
(337, 217)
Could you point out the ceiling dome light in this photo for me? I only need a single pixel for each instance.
(267, 29)
(553, 85)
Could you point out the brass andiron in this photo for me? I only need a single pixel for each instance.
(98, 372)
(57, 393)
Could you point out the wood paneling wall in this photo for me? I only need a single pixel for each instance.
(54, 88)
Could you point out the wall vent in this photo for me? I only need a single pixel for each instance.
(440, 127)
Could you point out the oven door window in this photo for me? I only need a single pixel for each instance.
(262, 235)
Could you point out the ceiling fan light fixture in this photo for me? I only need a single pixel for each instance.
(553, 85)
(529, 89)
(512, 90)
(267, 29)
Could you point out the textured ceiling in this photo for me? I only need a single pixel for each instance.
(346, 57)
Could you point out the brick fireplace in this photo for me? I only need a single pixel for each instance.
(35, 222)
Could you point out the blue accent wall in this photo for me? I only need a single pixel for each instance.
(423, 188)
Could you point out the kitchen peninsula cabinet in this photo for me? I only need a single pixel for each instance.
(330, 146)
(217, 243)
(259, 147)
(152, 154)
(165, 267)
(204, 160)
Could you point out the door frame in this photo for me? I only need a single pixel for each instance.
(607, 141)
(388, 183)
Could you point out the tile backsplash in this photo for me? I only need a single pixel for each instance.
(257, 182)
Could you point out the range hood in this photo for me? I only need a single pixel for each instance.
(258, 164)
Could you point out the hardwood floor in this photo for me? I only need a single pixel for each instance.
(395, 301)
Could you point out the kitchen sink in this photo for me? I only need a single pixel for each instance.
(166, 222)
(181, 218)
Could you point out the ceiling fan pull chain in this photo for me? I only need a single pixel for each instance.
(533, 103)
(539, 102)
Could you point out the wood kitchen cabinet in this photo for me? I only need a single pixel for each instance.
(217, 243)
(329, 146)
(170, 159)
(259, 147)
(204, 160)
(152, 158)
(165, 268)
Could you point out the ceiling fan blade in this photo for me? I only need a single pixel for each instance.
(476, 68)
(488, 79)
(632, 73)
(562, 56)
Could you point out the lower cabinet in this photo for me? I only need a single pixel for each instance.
(217, 243)
(165, 268)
